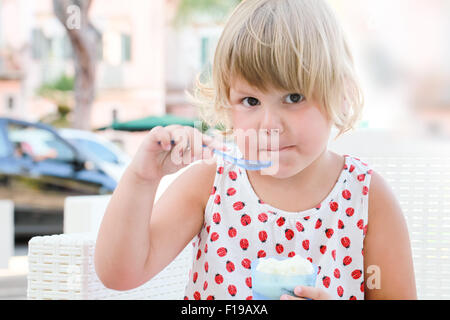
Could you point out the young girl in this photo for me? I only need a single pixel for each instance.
(281, 67)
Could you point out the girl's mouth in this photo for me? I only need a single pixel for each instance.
(280, 149)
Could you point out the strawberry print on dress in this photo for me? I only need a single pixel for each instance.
(239, 228)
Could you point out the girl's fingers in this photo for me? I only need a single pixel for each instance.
(313, 293)
(288, 297)
(186, 143)
(181, 139)
(197, 142)
(213, 143)
(162, 137)
(307, 293)
(207, 153)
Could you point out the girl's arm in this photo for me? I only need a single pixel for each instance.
(137, 241)
(137, 237)
(389, 272)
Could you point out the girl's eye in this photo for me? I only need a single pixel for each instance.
(250, 102)
(294, 98)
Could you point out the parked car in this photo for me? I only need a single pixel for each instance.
(109, 157)
(39, 168)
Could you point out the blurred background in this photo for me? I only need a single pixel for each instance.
(146, 53)
(81, 65)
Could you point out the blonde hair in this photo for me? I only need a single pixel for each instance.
(292, 45)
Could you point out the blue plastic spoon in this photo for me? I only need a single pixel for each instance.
(252, 165)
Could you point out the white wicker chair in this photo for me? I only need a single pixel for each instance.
(62, 267)
(418, 171)
(6, 232)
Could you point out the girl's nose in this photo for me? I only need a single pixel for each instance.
(271, 132)
(271, 123)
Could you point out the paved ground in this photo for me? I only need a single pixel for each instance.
(13, 287)
(13, 281)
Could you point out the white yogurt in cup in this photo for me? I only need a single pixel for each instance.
(273, 277)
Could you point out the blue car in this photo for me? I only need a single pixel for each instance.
(39, 169)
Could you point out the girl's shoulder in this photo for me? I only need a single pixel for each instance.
(387, 244)
(190, 185)
(381, 196)
(199, 178)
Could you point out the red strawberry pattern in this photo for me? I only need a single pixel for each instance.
(326, 281)
(231, 191)
(239, 228)
(263, 217)
(305, 244)
(279, 248)
(262, 236)
(216, 218)
(318, 223)
(232, 232)
(232, 175)
(261, 254)
(246, 263)
(244, 244)
(214, 236)
(345, 242)
(245, 220)
(219, 278)
(289, 234)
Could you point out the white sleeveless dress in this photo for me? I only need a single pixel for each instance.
(239, 227)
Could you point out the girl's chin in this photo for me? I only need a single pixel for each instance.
(280, 171)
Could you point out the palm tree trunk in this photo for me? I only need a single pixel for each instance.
(84, 38)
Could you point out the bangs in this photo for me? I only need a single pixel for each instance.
(262, 53)
(269, 50)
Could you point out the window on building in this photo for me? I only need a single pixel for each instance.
(208, 44)
(126, 47)
(40, 45)
(204, 51)
(67, 48)
(1, 27)
(100, 48)
(10, 103)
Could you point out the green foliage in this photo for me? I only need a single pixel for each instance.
(60, 92)
(200, 10)
(63, 83)
(58, 119)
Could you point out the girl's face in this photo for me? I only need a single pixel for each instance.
(302, 127)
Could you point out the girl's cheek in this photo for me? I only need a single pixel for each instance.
(242, 121)
(315, 133)
(311, 127)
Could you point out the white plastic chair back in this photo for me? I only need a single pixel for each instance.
(418, 170)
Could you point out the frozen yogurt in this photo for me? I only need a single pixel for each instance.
(273, 277)
(288, 267)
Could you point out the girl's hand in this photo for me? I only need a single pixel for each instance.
(165, 150)
(303, 293)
